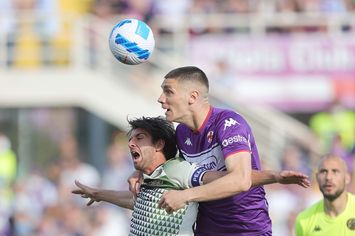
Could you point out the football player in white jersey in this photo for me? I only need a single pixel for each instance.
(153, 149)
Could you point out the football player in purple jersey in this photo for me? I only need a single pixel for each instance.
(219, 139)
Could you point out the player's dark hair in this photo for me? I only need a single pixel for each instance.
(187, 73)
(160, 129)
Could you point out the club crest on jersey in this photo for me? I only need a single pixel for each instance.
(210, 136)
(229, 122)
(351, 224)
(188, 142)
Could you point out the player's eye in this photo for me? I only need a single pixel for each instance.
(169, 92)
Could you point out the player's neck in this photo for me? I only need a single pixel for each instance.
(158, 160)
(200, 116)
(337, 206)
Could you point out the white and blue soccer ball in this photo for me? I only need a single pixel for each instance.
(131, 41)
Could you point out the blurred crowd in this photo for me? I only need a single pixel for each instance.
(41, 203)
(40, 33)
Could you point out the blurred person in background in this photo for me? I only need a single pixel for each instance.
(33, 195)
(75, 8)
(8, 27)
(175, 9)
(335, 128)
(72, 167)
(118, 169)
(337, 148)
(201, 7)
(335, 213)
(285, 201)
(44, 205)
(222, 75)
(34, 24)
(108, 9)
(294, 158)
(336, 125)
(8, 173)
(46, 26)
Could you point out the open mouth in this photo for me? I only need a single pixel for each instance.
(135, 155)
(167, 111)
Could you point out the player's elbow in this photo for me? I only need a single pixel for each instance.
(242, 184)
(246, 185)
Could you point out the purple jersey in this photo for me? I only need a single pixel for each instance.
(222, 134)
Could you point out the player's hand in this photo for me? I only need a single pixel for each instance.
(86, 192)
(134, 182)
(172, 200)
(293, 177)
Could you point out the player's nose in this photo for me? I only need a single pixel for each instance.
(131, 143)
(161, 99)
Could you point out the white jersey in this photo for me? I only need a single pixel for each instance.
(147, 218)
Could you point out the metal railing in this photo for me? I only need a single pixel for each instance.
(74, 41)
(83, 45)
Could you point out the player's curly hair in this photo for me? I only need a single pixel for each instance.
(160, 129)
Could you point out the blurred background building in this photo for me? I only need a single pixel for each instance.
(288, 66)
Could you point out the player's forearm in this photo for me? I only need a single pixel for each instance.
(119, 198)
(223, 187)
(258, 177)
(210, 176)
(263, 177)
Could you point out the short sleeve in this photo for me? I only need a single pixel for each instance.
(233, 133)
(184, 173)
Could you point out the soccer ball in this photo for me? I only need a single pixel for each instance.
(131, 41)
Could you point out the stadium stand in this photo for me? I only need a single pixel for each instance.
(48, 71)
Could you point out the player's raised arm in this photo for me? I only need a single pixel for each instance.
(220, 184)
(265, 177)
(119, 198)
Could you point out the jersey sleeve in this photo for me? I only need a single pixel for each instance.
(184, 173)
(233, 133)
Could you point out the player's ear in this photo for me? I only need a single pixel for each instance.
(347, 178)
(194, 95)
(316, 175)
(159, 146)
